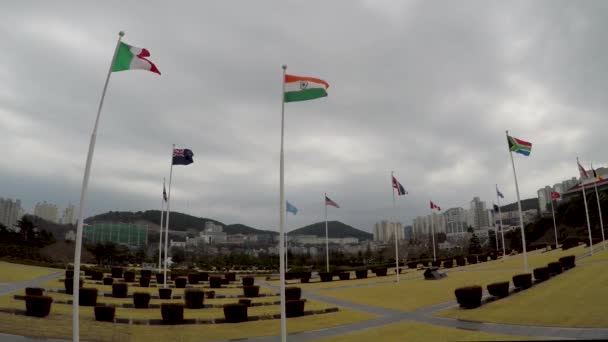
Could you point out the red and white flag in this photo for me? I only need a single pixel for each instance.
(435, 206)
(582, 170)
(330, 202)
(555, 195)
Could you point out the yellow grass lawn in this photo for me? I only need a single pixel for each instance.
(10, 272)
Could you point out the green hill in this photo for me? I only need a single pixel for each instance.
(335, 229)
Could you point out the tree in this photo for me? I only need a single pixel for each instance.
(474, 246)
(470, 229)
(441, 237)
(178, 255)
(492, 239)
(26, 228)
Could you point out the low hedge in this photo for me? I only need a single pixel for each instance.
(172, 313)
(361, 274)
(87, 296)
(304, 280)
(541, 274)
(248, 281)
(412, 264)
(224, 281)
(203, 276)
(568, 262)
(251, 291)
(448, 264)
(38, 306)
(34, 291)
(68, 283)
(522, 281)
(230, 276)
(180, 282)
(305, 274)
(145, 273)
(494, 256)
(194, 298)
(104, 313)
(500, 289)
(96, 275)
(116, 272)
(294, 308)
(141, 300)
(483, 258)
(164, 293)
(108, 281)
(472, 259)
(469, 297)
(344, 275)
(235, 313)
(245, 301)
(193, 278)
(380, 271)
(436, 263)
(554, 268)
(129, 276)
(69, 273)
(326, 276)
(144, 281)
(293, 293)
(460, 261)
(570, 243)
(160, 278)
(120, 290)
(215, 282)
(210, 294)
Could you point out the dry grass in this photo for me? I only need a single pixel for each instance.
(10, 272)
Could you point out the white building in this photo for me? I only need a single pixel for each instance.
(422, 224)
(70, 235)
(212, 227)
(47, 211)
(385, 231)
(69, 215)
(9, 211)
(478, 214)
(179, 244)
(455, 221)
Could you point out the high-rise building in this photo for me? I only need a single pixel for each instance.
(46, 211)
(544, 198)
(455, 221)
(407, 232)
(10, 211)
(423, 224)
(69, 215)
(211, 227)
(478, 214)
(385, 231)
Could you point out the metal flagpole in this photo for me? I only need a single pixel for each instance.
(521, 217)
(83, 195)
(286, 243)
(167, 223)
(160, 238)
(599, 208)
(433, 235)
(502, 229)
(282, 216)
(496, 235)
(554, 225)
(395, 226)
(326, 236)
(586, 210)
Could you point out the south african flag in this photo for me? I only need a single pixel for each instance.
(519, 146)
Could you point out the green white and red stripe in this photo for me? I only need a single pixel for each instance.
(299, 88)
(130, 58)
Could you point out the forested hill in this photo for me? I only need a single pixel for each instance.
(336, 229)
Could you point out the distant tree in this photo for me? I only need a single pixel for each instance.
(492, 239)
(26, 228)
(441, 237)
(470, 229)
(474, 246)
(178, 255)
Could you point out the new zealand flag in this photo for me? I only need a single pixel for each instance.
(182, 156)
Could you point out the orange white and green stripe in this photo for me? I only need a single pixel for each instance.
(299, 88)
(130, 58)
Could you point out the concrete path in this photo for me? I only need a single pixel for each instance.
(6, 288)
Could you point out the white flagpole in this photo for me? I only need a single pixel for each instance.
(395, 226)
(586, 210)
(433, 235)
(167, 223)
(554, 225)
(326, 236)
(286, 242)
(83, 195)
(282, 217)
(599, 208)
(521, 217)
(502, 229)
(160, 238)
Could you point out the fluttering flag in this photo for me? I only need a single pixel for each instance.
(298, 88)
(130, 58)
(496, 209)
(435, 206)
(182, 156)
(595, 174)
(291, 208)
(331, 203)
(555, 195)
(519, 146)
(582, 170)
(399, 187)
(499, 194)
(164, 192)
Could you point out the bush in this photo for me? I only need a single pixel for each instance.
(180, 282)
(500, 289)
(145, 273)
(248, 281)
(230, 276)
(119, 290)
(483, 258)
(294, 308)
(108, 281)
(68, 283)
(251, 291)
(494, 256)
(144, 281)
(210, 294)
(235, 313)
(326, 276)
(361, 274)
(380, 271)
(460, 261)
(203, 276)
(568, 262)
(96, 275)
(172, 313)
(344, 275)
(69, 273)
(38, 306)
(141, 300)
(541, 274)
(104, 313)
(570, 243)
(215, 282)
(412, 264)
(193, 278)
(87, 296)
(469, 297)
(448, 264)
(194, 298)
(554, 268)
(164, 293)
(245, 301)
(472, 259)
(34, 291)
(160, 278)
(436, 263)
(304, 280)
(305, 274)
(553, 246)
(116, 272)
(293, 293)
(522, 281)
(129, 276)
(425, 263)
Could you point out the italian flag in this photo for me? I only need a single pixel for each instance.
(298, 88)
(130, 58)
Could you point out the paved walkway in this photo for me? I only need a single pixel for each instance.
(6, 288)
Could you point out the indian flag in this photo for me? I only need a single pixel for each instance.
(298, 88)
(130, 58)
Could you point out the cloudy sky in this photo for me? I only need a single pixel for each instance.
(426, 89)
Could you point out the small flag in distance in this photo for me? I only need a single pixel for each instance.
(400, 189)
(291, 208)
(182, 156)
(330, 202)
(555, 195)
(499, 194)
(164, 192)
(435, 206)
(596, 175)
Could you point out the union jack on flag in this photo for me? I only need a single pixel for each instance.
(182, 156)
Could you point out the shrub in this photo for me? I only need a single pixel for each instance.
(344, 275)
(541, 274)
(235, 313)
(108, 281)
(215, 282)
(522, 281)
(425, 263)
(294, 308)
(380, 271)
(293, 293)
(34, 291)
(210, 294)
(460, 261)
(305, 274)
(145, 273)
(304, 280)
(448, 264)
(570, 243)
(326, 276)
(119, 290)
(68, 283)
(248, 281)
(96, 275)
(412, 264)
(104, 313)
(251, 291)
(193, 278)
(469, 297)
(567, 262)
(436, 263)
(144, 281)
(141, 300)
(69, 273)
(500, 289)
(194, 298)
(164, 293)
(38, 306)
(172, 313)
(494, 256)
(87, 296)
(245, 301)
(116, 272)
(472, 259)
(203, 276)
(160, 278)
(361, 274)
(230, 276)
(129, 276)
(553, 246)
(180, 282)
(483, 258)
(555, 267)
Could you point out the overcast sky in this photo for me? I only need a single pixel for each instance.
(426, 89)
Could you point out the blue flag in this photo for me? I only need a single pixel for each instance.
(291, 208)
(182, 156)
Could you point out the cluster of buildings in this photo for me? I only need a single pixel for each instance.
(50, 212)
(10, 211)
